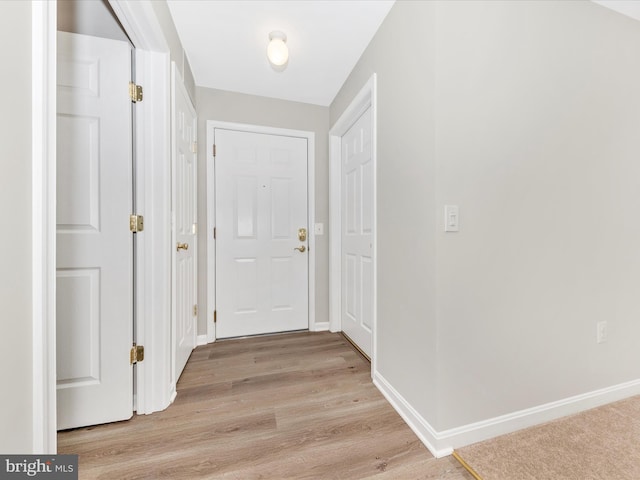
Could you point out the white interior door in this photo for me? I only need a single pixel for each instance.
(184, 172)
(94, 245)
(357, 229)
(261, 255)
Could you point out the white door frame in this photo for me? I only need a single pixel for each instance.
(364, 99)
(43, 195)
(152, 128)
(211, 215)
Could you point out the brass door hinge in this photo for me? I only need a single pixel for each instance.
(136, 223)
(215, 316)
(214, 150)
(137, 354)
(214, 233)
(135, 92)
(195, 310)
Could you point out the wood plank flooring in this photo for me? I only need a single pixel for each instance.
(294, 406)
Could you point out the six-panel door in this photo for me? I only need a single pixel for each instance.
(357, 228)
(185, 275)
(94, 245)
(261, 204)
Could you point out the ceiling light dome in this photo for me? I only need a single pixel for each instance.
(277, 51)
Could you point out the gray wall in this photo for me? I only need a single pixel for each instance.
(402, 56)
(15, 210)
(249, 109)
(538, 114)
(525, 114)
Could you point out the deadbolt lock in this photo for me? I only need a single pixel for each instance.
(302, 234)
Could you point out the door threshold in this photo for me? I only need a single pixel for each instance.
(270, 334)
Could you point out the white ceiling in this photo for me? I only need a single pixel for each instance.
(226, 43)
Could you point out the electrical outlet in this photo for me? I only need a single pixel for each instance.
(601, 335)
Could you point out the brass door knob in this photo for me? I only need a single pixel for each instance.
(301, 248)
(182, 246)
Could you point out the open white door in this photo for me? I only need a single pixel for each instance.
(184, 206)
(262, 262)
(94, 243)
(357, 229)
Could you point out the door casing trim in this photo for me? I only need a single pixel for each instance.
(43, 243)
(211, 243)
(366, 98)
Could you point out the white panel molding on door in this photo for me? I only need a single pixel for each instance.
(278, 264)
(94, 244)
(185, 217)
(364, 101)
(357, 231)
(261, 206)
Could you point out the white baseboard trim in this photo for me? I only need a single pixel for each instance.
(483, 430)
(444, 442)
(202, 340)
(319, 327)
(416, 422)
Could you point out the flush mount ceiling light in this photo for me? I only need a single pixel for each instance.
(277, 51)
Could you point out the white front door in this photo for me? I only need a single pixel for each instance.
(94, 244)
(262, 233)
(357, 228)
(184, 171)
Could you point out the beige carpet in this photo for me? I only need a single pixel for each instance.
(599, 444)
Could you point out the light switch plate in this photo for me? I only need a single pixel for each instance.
(451, 218)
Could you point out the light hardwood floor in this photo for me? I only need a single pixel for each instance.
(294, 406)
